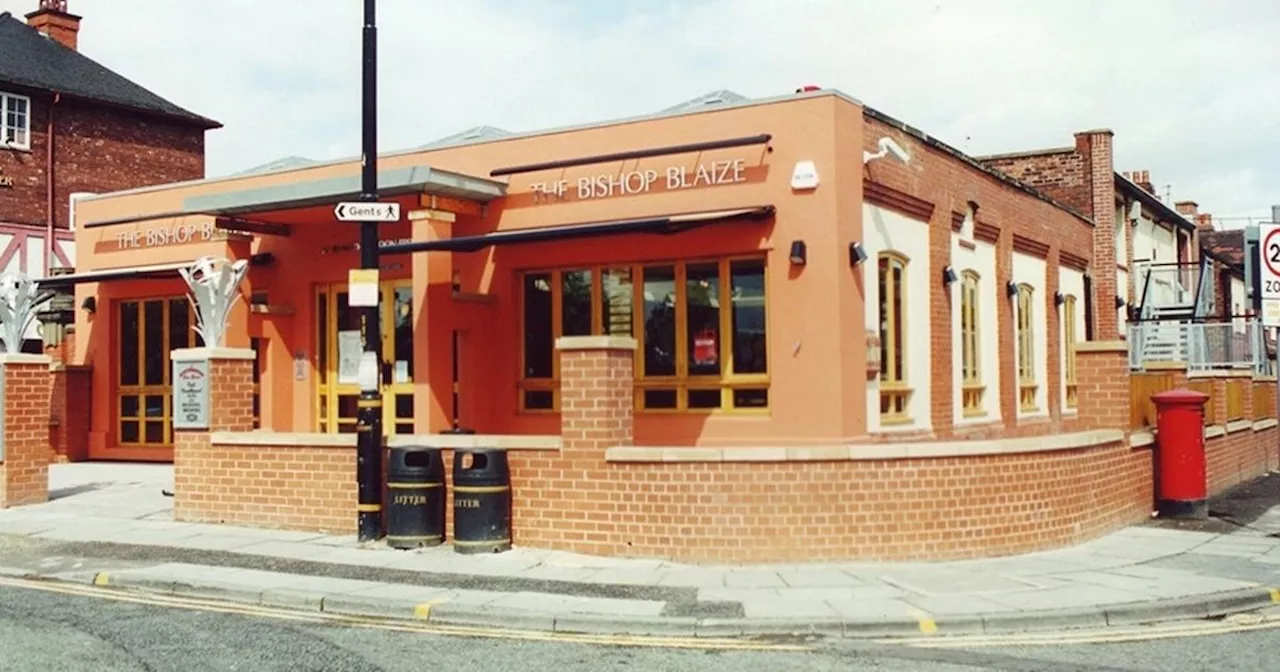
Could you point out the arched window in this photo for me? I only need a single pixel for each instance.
(970, 358)
(1026, 350)
(1069, 337)
(894, 392)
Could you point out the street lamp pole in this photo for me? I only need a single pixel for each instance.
(369, 416)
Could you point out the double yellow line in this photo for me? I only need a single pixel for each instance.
(342, 620)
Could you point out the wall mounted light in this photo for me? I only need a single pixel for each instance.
(857, 255)
(89, 305)
(1011, 289)
(798, 256)
(1059, 299)
(949, 276)
(1119, 302)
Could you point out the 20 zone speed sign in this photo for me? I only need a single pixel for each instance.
(1269, 263)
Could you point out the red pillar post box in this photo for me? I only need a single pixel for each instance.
(1181, 485)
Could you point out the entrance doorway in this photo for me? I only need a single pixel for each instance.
(149, 329)
(339, 343)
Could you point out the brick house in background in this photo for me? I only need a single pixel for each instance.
(69, 125)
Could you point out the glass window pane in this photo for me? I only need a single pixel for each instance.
(660, 321)
(129, 431)
(899, 355)
(129, 327)
(403, 315)
(179, 324)
(539, 400)
(615, 304)
(704, 398)
(575, 303)
(751, 398)
(155, 433)
(750, 354)
(538, 336)
(154, 355)
(404, 406)
(154, 404)
(702, 293)
(660, 399)
(403, 429)
(129, 407)
(347, 407)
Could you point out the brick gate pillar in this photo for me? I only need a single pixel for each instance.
(1102, 383)
(24, 429)
(597, 394)
(213, 392)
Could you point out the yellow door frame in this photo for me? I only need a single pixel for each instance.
(334, 407)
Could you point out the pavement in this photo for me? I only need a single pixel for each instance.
(109, 525)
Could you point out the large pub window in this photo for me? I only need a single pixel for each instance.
(700, 328)
(148, 330)
(895, 393)
(1027, 385)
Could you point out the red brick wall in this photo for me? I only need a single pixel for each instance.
(202, 485)
(1238, 457)
(70, 408)
(97, 150)
(24, 474)
(1060, 173)
(311, 488)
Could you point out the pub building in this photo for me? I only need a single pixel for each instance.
(756, 329)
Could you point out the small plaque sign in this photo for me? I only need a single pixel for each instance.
(191, 394)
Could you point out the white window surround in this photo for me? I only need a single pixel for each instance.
(888, 231)
(15, 121)
(980, 259)
(1029, 270)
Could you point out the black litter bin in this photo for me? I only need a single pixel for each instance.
(415, 509)
(481, 501)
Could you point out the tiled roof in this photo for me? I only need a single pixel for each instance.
(1227, 245)
(33, 61)
(474, 134)
(285, 163)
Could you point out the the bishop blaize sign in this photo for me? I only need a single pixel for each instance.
(359, 211)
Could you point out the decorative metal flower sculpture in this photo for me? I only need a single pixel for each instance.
(214, 284)
(19, 298)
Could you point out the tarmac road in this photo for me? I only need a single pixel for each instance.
(51, 629)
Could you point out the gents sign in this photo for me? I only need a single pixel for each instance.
(160, 236)
(672, 178)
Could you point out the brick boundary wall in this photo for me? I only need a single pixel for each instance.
(24, 465)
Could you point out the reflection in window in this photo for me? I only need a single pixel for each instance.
(538, 340)
(575, 303)
(894, 392)
(659, 321)
(1026, 350)
(746, 291)
(702, 315)
(616, 293)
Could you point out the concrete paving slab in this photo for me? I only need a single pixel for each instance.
(764, 608)
(618, 576)
(874, 609)
(558, 573)
(25, 527)
(146, 536)
(818, 576)
(544, 603)
(411, 594)
(1082, 595)
(943, 582)
(692, 578)
(752, 578)
(210, 542)
(956, 605)
(286, 549)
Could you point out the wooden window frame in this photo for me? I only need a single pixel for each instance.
(1025, 340)
(142, 390)
(971, 388)
(726, 382)
(895, 393)
(1071, 397)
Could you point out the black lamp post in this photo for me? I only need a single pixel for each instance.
(369, 405)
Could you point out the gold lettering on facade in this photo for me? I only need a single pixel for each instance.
(409, 500)
(466, 503)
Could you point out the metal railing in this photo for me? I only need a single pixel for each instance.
(1176, 286)
(1237, 344)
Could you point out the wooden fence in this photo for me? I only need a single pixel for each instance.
(1205, 386)
(1142, 411)
(1236, 389)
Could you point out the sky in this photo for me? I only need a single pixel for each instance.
(1190, 87)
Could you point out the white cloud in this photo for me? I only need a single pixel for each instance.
(1189, 87)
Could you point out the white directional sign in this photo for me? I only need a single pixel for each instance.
(358, 211)
(1269, 272)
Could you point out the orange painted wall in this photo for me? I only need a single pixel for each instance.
(815, 312)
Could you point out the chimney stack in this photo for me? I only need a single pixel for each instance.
(53, 20)
(1188, 209)
(1142, 178)
(1204, 221)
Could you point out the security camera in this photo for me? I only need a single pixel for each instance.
(887, 146)
(887, 143)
